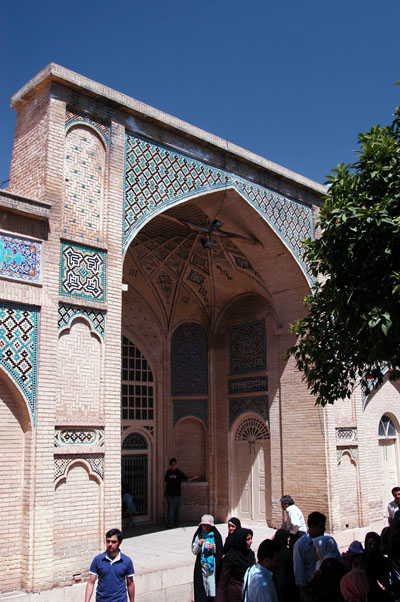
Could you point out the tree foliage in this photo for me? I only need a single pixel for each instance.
(352, 331)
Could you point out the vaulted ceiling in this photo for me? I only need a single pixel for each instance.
(170, 265)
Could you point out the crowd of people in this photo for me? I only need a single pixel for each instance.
(299, 564)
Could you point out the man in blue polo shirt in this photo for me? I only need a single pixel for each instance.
(114, 570)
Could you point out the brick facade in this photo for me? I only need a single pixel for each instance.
(125, 207)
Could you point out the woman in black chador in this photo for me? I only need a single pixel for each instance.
(239, 558)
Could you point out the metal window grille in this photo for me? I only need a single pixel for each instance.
(135, 480)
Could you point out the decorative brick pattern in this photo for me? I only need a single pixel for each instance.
(97, 317)
(351, 450)
(79, 364)
(247, 347)
(190, 407)
(241, 405)
(189, 361)
(72, 436)
(19, 326)
(94, 461)
(73, 116)
(83, 272)
(84, 165)
(20, 258)
(159, 177)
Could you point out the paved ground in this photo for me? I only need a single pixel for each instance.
(164, 562)
(157, 547)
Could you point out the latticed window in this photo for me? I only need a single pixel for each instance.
(252, 429)
(387, 430)
(137, 394)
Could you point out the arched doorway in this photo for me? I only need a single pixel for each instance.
(136, 473)
(251, 473)
(138, 423)
(388, 451)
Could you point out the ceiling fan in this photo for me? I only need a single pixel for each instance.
(212, 229)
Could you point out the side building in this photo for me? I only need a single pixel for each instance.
(149, 272)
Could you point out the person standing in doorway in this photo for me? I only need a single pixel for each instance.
(114, 571)
(173, 481)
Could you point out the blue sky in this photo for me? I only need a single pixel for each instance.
(294, 81)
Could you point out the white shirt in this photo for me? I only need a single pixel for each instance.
(391, 510)
(295, 520)
(258, 585)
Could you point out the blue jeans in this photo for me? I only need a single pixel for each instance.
(174, 505)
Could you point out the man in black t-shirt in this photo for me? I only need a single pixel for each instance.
(173, 480)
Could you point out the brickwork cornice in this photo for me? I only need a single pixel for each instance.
(57, 73)
(24, 205)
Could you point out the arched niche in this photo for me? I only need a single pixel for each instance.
(84, 167)
(79, 365)
(190, 446)
(77, 506)
(15, 475)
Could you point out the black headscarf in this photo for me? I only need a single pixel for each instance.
(239, 556)
(228, 541)
(281, 538)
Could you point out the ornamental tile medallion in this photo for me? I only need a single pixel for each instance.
(19, 329)
(157, 177)
(83, 272)
(20, 258)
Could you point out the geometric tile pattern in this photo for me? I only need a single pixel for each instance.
(248, 385)
(189, 360)
(83, 272)
(19, 329)
(84, 163)
(71, 436)
(240, 405)
(74, 116)
(190, 407)
(97, 317)
(156, 177)
(20, 258)
(345, 435)
(61, 463)
(247, 347)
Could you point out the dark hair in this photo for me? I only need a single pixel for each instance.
(316, 518)
(287, 499)
(116, 532)
(267, 549)
(395, 490)
(173, 460)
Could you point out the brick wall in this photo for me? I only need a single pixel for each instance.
(77, 505)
